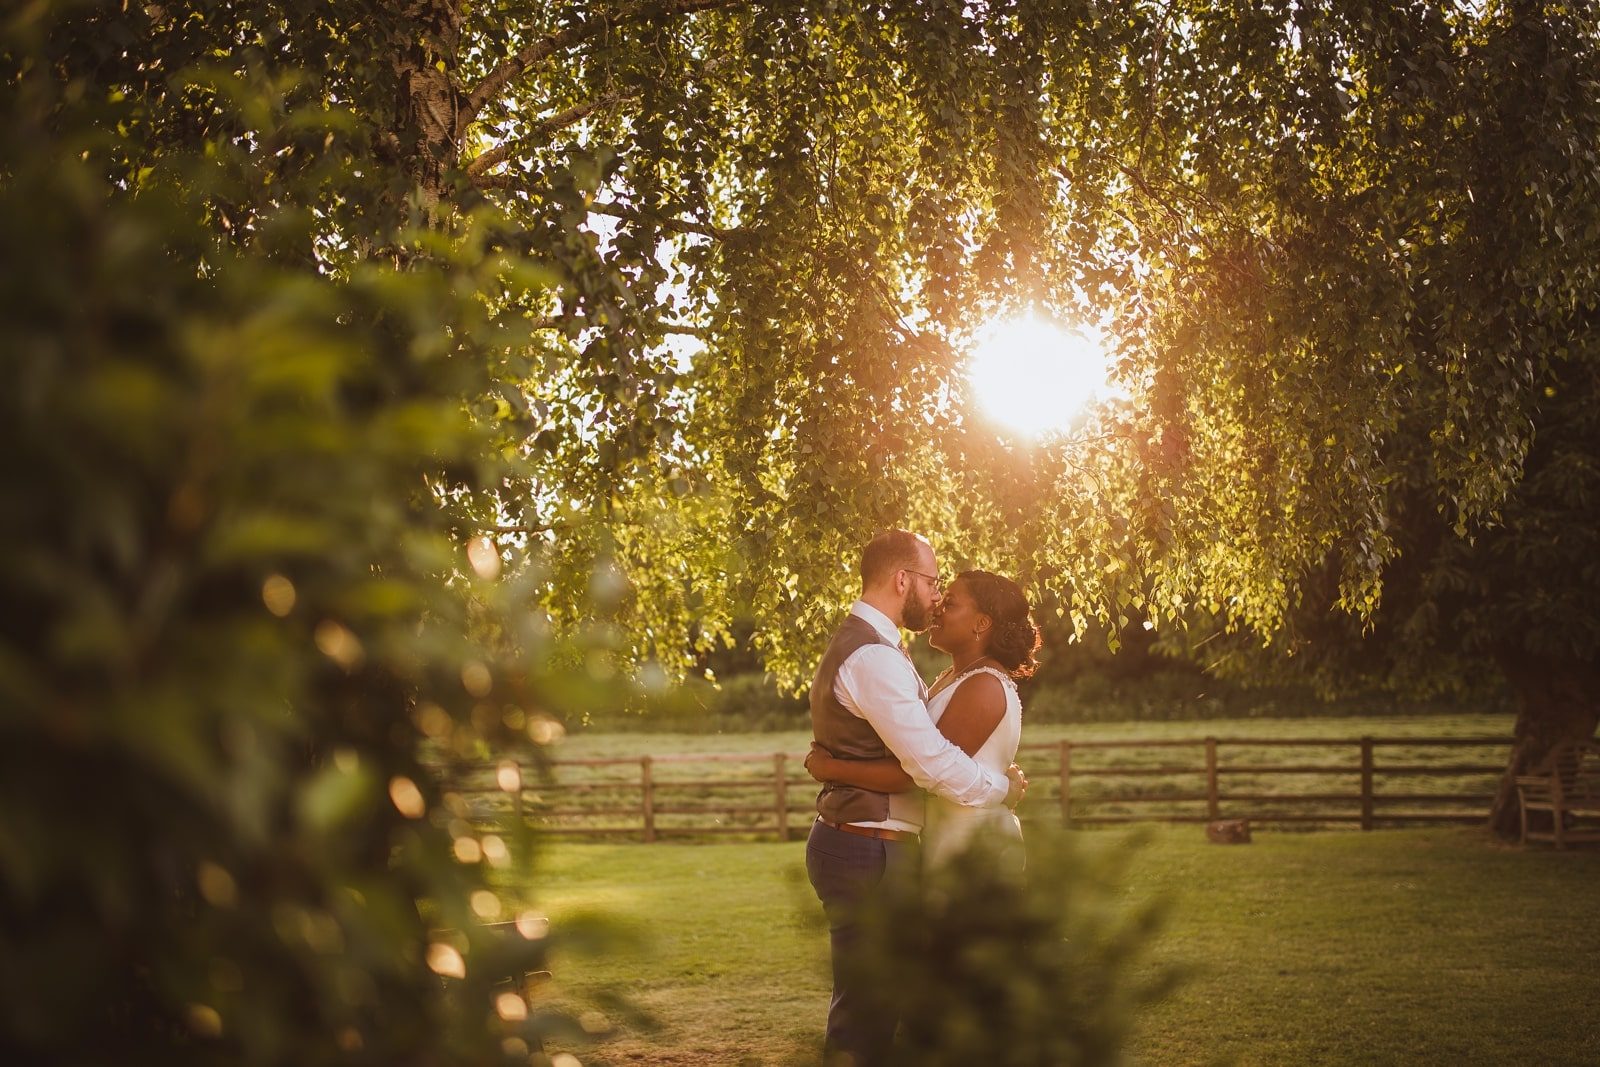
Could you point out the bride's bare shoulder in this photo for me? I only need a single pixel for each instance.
(981, 686)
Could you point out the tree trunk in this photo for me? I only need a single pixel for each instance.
(1558, 700)
(430, 108)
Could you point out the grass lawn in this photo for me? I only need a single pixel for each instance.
(1391, 947)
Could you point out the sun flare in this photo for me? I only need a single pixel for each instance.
(1036, 376)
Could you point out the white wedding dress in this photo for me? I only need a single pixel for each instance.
(950, 827)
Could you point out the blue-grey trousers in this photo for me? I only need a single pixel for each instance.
(846, 869)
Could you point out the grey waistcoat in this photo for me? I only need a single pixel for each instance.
(846, 735)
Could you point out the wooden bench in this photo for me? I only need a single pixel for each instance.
(1567, 786)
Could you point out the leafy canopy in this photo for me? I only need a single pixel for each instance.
(1343, 254)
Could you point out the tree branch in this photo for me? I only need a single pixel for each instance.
(683, 329)
(686, 226)
(536, 133)
(580, 31)
(1154, 196)
(628, 214)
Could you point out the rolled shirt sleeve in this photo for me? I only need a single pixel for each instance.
(879, 683)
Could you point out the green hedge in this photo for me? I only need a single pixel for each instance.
(751, 703)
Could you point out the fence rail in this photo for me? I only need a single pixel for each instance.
(1369, 782)
(1363, 783)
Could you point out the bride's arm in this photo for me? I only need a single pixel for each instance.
(975, 709)
(879, 775)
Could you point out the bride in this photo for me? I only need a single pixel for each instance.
(984, 626)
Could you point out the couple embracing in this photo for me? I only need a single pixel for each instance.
(911, 775)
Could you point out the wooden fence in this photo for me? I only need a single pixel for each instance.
(1368, 782)
(1354, 784)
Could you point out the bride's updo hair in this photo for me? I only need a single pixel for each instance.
(1014, 638)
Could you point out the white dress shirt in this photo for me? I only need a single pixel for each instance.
(879, 683)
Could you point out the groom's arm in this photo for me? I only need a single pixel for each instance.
(883, 775)
(878, 683)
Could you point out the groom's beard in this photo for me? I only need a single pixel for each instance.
(916, 615)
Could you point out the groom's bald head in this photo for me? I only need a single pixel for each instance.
(891, 551)
(900, 577)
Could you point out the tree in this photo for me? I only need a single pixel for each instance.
(1384, 383)
(774, 180)
(1349, 255)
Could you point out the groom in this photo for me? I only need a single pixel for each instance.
(868, 702)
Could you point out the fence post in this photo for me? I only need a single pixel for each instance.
(1212, 799)
(1366, 783)
(1066, 783)
(647, 790)
(780, 771)
(512, 776)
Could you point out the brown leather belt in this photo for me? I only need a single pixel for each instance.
(879, 832)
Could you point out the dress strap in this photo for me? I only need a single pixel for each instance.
(1005, 678)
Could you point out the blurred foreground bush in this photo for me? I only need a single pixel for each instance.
(1047, 970)
(233, 604)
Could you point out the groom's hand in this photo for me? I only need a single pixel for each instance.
(1019, 786)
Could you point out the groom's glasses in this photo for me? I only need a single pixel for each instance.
(938, 582)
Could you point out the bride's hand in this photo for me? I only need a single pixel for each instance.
(816, 752)
(1019, 786)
